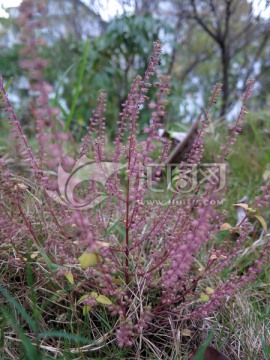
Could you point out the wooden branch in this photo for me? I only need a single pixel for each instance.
(203, 24)
(214, 12)
(183, 148)
(202, 57)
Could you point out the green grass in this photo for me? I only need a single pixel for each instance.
(240, 329)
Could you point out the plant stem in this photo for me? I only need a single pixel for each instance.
(127, 231)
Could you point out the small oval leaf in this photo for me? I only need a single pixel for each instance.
(88, 259)
(118, 281)
(102, 299)
(209, 290)
(70, 277)
(204, 297)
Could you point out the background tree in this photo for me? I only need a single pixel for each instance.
(206, 42)
(237, 39)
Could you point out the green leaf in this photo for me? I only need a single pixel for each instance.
(86, 309)
(64, 335)
(70, 277)
(101, 318)
(110, 229)
(82, 298)
(62, 79)
(88, 259)
(262, 221)
(118, 281)
(102, 299)
(204, 297)
(32, 323)
(209, 290)
(200, 353)
(78, 85)
(31, 351)
(51, 265)
(8, 83)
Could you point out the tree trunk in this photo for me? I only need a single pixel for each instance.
(225, 61)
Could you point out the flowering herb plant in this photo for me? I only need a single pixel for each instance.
(144, 266)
